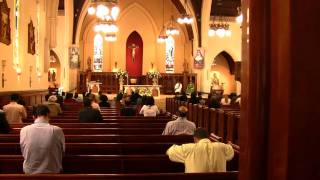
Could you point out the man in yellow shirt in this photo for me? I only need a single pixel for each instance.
(203, 155)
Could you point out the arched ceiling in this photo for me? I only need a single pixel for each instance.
(225, 8)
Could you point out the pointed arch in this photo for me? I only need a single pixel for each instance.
(134, 54)
(229, 59)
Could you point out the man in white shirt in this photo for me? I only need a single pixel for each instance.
(42, 145)
(14, 111)
(181, 126)
(203, 155)
(178, 87)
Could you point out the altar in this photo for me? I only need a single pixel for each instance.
(148, 90)
(93, 86)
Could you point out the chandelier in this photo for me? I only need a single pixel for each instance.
(110, 37)
(172, 29)
(239, 18)
(185, 18)
(104, 9)
(106, 27)
(219, 28)
(162, 36)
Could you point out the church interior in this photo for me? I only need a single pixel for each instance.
(260, 55)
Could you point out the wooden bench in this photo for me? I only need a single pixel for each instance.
(154, 176)
(89, 131)
(107, 121)
(14, 138)
(100, 125)
(101, 164)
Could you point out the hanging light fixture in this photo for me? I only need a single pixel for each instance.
(105, 26)
(220, 28)
(172, 28)
(104, 9)
(185, 18)
(110, 37)
(162, 36)
(239, 18)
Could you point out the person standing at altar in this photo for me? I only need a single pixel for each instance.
(150, 109)
(177, 87)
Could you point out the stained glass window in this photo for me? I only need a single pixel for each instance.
(98, 53)
(170, 55)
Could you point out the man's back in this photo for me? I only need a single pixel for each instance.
(42, 146)
(203, 156)
(181, 126)
(14, 113)
(89, 114)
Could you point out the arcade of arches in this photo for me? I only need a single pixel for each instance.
(52, 44)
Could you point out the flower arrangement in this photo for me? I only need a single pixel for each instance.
(154, 74)
(190, 88)
(145, 92)
(121, 74)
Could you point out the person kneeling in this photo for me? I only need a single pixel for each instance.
(42, 145)
(203, 155)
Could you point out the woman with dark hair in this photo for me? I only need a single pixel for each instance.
(150, 109)
(4, 126)
(104, 101)
(193, 99)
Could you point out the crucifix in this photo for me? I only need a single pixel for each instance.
(133, 48)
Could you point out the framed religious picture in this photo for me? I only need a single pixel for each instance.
(198, 58)
(31, 39)
(5, 30)
(74, 57)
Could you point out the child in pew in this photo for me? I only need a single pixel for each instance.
(203, 155)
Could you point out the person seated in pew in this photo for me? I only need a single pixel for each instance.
(150, 109)
(203, 155)
(42, 145)
(14, 112)
(89, 114)
(104, 101)
(69, 98)
(193, 99)
(78, 98)
(225, 100)
(181, 126)
(128, 109)
(183, 96)
(53, 106)
(4, 126)
(94, 103)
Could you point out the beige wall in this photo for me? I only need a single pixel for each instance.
(213, 46)
(13, 83)
(228, 80)
(145, 17)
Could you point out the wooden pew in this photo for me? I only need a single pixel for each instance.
(109, 121)
(14, 138)
(88, 131)
(98, 148)
(101, 164)
(100, 125)
(154, 176)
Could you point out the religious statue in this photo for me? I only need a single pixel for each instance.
(5, 30)
(31, 39)
(215, 82)
(53, 76)
(89, 63)
(133, 48)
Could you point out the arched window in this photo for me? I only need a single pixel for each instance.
(170, 55)
(97, 53)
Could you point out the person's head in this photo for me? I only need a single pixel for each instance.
(193, 95)
(103, 98)
(199, 94)
(150, 101)
(41, 111)
(127, 101)
(46, 97)
(92, 97)
(52, 98)
(200, 133)
(225, 96)
(14, 97)
(182, 111)
(177, 93)
(100, 93)
(69, 96)
(86, 102)
(75, 95)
